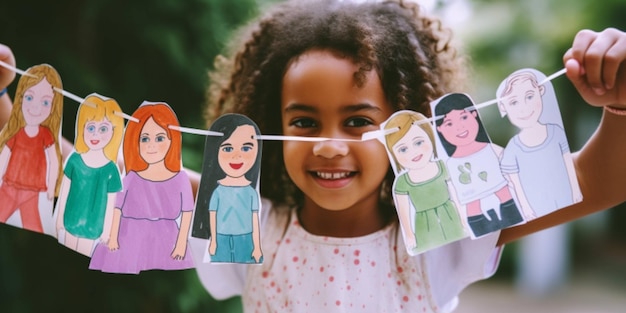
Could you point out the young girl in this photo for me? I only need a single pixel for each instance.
(144, 231)
(422, 184)
(30, 156)
(227, 208)
(91, 178)
(330, 236)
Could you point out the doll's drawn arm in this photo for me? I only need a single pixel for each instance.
(5, 155)
(212, 225)
(108, 217)
(403, 206)
(183, 233)
(256, 237)
(529, 213)
(573, 180)
(53, 171)
(461, 209)
(113, 243)
(61, 202)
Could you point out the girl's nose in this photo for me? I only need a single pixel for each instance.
(330, 148)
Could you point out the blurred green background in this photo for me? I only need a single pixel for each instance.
(160, 50)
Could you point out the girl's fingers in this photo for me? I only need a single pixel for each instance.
(613, 59)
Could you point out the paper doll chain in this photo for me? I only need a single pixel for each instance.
(364, 137)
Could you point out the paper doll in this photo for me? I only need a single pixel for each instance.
(153, 212)
(91, 178)
(537, 159)
(30, 156)
(227, 209)
(473, 165)
(422, 184)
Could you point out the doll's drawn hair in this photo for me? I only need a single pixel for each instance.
(409, 50)
(507, 85)
(452, 102)
(212, 171)
(96, 108)
(36, 74)
(164, 116)
(403, 122)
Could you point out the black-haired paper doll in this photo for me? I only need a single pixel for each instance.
(538, 158)
(30, 157)
(91, 178)
(474, 166)
(227, 209)
(422, 185)
(153, 212)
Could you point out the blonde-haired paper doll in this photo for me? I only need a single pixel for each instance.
(227, 210)
(422, 184)
(538, 158)
(91, 178)
(153, 212)
(474, 165)
(30, 157)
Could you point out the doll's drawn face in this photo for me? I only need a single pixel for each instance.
(98, 134)
(459, 127)
(153, 142)
(414, 150)
(523, 104)
(237, 154)
(37, 103)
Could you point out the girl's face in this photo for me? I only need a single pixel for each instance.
(320, 99)
(414, 150)
(37, 103)
(238, 153)
(153, 142)
(459, 127)
(524, 104)
(98, 134)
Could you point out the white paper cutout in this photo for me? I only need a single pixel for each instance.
(228, 203)
(91, 177)
(422, 191)
(153, 212)
(30, 156)
(474, 166)
(538, 157)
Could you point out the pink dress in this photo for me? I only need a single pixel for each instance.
(148, 227)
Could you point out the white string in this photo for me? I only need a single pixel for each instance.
(365, 137)
(195, 131)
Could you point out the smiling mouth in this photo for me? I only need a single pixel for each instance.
(417, 158)
(463, 134)
(235, 166)
(94, 142)
(527, 116)
(333, 175)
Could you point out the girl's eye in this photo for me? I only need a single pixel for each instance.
(513, 103)
(246, 148)
(303, 123)
(28, 98)
(144, 139)
(448, 124)
(227, 149)
(46, 103)
(91, 128)
(402, 150)
(529, 97)
(103, 129)
(159, 139)
(419, 143)
(359, 122)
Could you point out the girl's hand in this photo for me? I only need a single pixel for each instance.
(113, 245)
(596, 66)
(257, 254)
(212, 246)
(6, 75)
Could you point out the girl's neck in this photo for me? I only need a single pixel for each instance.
(31, 130)
(94, 158)
(533, 136)
(469, 149)
(157, 172)
(359, 220)
(234, 181)
(425, 173)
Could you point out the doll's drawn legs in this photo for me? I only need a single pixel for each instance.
(480, 223)
(509, 213)
(81, 245)
(28, 203)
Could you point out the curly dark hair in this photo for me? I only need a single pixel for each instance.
(410, 51)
